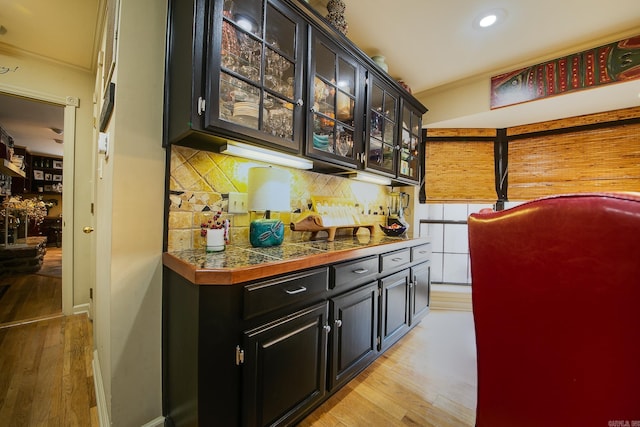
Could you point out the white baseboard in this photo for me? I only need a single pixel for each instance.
(101, 398)
(158, 422)
(81, 308)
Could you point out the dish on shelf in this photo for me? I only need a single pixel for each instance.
(248, 109)
(320, 141)
(393, 230)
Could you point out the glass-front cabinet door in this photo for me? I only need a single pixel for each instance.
(382, 127)
(258, 89)
(409, 159)
(334, 128)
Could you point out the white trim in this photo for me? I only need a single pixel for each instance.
(81, 308)
(70, 104)
(157, 422)
(101, 398)
(68, 174)
(28, 93)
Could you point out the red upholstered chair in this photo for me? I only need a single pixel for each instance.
(556, 305)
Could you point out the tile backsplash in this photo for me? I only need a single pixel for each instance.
(200, 181)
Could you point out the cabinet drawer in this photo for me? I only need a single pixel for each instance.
(421, 253)
(354, 273)
(391, 260)
(293, 290)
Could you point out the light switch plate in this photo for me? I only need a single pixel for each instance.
(238, 203)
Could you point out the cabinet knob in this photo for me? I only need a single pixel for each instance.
(338, 323)
(300, 102)
(327, 328)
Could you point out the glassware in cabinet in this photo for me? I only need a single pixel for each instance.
(259, 87)
(381, 143)
(334, 104)
(409, 166)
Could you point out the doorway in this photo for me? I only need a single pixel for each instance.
(55, 281)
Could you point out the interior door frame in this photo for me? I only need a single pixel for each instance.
(70, 105)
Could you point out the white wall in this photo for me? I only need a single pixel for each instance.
(130, 222)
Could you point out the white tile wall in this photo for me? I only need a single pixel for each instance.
(450, 242)
(455, 268)
(455, 212)
(509, 205)
(435, 211)
(456, 239)
(436, 234)
(436, 267)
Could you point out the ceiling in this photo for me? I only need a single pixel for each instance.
(427, 43)
(31, 123)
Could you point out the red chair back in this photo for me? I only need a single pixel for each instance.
(556, 305)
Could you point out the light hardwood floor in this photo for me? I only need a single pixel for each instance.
(33, 296)
(427, 379)
(46, 377)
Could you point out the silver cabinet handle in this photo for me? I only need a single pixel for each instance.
(296, 291)
(327, 328)
(360, 271)
(396, 259)
(300, 102)
(338, 323)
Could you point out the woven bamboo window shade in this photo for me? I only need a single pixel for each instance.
(459, 171)
(606, 159)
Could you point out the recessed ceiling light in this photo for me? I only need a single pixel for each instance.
(489, 18)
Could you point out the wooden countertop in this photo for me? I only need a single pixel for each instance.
(238, 264)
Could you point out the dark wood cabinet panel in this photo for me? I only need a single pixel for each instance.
(291, 292)
(420, 291)
(354, 318)
(285, 367)
(394, 314)
(348, 275)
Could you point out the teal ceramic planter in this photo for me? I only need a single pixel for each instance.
(266, 232)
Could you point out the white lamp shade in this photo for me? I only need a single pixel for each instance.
(269, 189)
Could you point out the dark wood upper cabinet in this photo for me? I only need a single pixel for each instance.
(274, 73)
(336, 103)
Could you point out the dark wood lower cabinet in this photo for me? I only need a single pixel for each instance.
(267, 352)
(355, 333)
(420, 291)
(285, 367)
(394, 315)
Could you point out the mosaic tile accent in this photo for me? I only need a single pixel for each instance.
(199, 179)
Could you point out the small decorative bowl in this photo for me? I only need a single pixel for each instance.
(393, 230)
